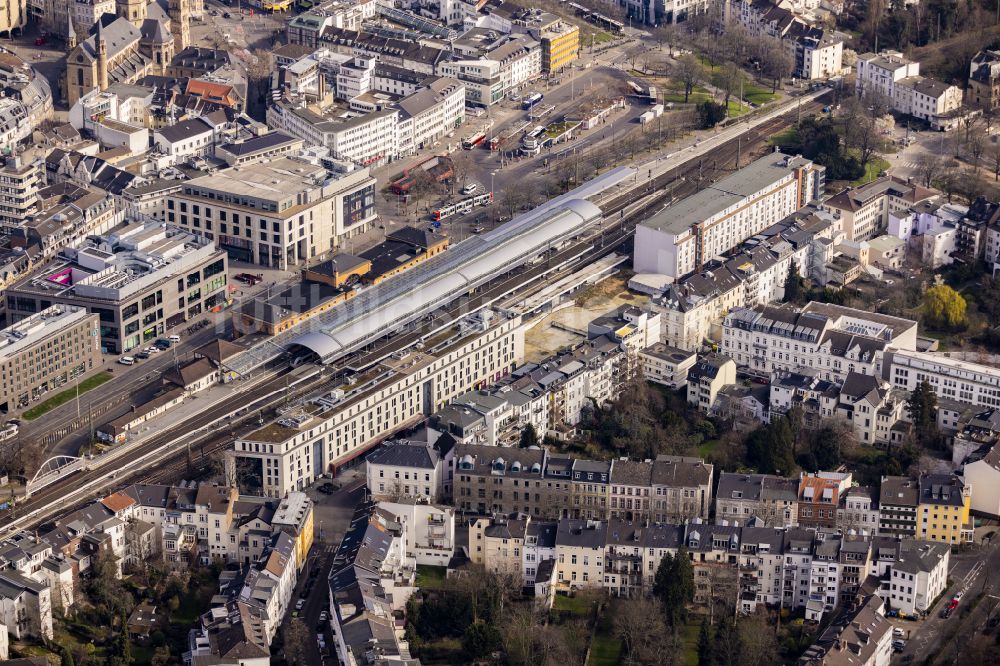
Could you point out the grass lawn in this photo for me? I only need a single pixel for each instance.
(876, 166)
(579, 606)
(707, 448)
(430, 577)
(63, 397)
(599, 38)
(785, 137)
(757, 95)
(736, 109)
(605, 651)
(689, 641)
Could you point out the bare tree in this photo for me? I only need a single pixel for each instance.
(461, 165)
(993, 151)
(690, 73)
(775, 61)
(976, 145)
(296, 642)
(727, 80)
(639, 624)
(929, 166)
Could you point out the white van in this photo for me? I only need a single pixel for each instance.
(174, 338)
(126, 360)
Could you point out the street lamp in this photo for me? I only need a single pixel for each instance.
(494, 198)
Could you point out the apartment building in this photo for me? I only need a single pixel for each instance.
(951, 377)
(899, 81)
(681, 489)
(281, 213)
(428, 530)
(64, 216)
(866, 211)
(863, 636)
(371, 578)
(498, 542)
(983, 91)
(707, 377)
(691, 307)
(984, 476)
(918, 576)
(816, 53)
(819, 497)
(773, 500)
(20, 180)
(666, 365)
(898, 499)
(811, 570)
(859, 510)
(722, 216)
(580, 553)
(25, 606)
(412, 468)
(291, 452)
(152, 279)
(44, 352)
(833, 339)
(943, 509)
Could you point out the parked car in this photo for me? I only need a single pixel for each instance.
(174, 338)
(958, 596)
(299, 604)
(896, 631)
(227, 15)
(40, 41)
(142, 356)
(471, 188)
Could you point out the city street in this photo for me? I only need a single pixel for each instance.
(331, 517)
(974, 574)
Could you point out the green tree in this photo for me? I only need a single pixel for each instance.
(726, 649)
(705, 656)
(529, 436)
(944, 308)
(922, 409)
(794, 284)
(673, 585)
(710, 113)
(480, 639)
(771, 447)
(122, 650)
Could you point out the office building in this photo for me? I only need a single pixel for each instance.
(279, 213)
(45, 351)
(950, 376)
(140, 280)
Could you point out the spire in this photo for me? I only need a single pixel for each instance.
(70, 32)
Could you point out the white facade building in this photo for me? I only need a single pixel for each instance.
(834, 340)
(950, 376)
(899, 81)
(684, 237)
(292, 452)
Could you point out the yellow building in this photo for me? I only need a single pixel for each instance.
(560, 45)
(13, 15)
(943, 509)
(295, 516)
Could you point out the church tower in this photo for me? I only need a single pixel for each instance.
(134, 11)
(180, 20)
(102, 59)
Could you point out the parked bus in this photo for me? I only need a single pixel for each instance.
(531, 100)
(473, 141)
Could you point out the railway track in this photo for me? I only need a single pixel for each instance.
(195, 459)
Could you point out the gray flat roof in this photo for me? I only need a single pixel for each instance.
(729, 191)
